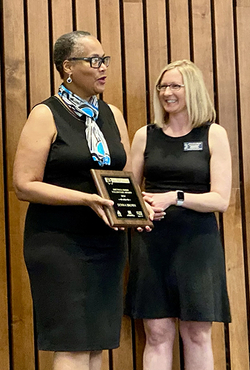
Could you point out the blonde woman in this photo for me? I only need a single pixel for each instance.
(177, 271)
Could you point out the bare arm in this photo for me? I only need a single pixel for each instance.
(220, 172)
(36, 138)
(124, 134)
(137, 154)
(221, 175)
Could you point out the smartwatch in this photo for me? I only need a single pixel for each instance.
(180, 197)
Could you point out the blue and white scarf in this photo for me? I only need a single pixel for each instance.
(96, 141)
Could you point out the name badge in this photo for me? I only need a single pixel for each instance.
(193, 146)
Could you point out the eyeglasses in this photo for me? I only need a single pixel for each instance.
(173, 87)
(95, 62)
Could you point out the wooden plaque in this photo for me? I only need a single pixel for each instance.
(129, 208)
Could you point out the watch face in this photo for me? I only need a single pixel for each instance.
(180, 195)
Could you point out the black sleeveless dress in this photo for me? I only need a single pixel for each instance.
(75, 262)
(178, 269)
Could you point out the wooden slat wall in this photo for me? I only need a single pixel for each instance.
(141, 36)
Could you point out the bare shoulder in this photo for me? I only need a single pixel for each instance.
(41, 112)
(116, 111)
(41, 120)
(218, 138)
(217, 131)
(141, 133)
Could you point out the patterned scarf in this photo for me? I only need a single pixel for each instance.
(96, 141)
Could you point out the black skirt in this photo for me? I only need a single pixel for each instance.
(77, 286)
(178, 270)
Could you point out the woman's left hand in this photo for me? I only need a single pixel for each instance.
(159, 202)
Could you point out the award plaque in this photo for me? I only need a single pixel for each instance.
(129, 208)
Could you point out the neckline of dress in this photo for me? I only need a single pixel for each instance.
(176, 137)
(67, 109)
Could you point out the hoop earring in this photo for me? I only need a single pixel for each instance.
(69, 80)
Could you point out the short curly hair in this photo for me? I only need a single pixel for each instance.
(64, 46)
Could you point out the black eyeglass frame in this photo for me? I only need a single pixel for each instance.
(170, 86)
(105, 60)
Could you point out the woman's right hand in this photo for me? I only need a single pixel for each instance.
(159, 202)
(98, 203)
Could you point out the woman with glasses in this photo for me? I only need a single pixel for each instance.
(177, 272)
(75, 259)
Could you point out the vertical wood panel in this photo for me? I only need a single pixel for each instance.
(139, 343)
(203, 57)
(4, 335)
(15, 105)
(86, 16)
(105, 360)
(243, 28)
(39, 76)
(62, 22)
(238, 334)
(179, 30)
(111, 42)
(135, 66)
(226, 77)
(218, 342)
(123, 356)
(45, 360)
(157, 44)
(202, 41)
(39, 59)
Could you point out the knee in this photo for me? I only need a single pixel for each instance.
(158, 333)
(196, 333)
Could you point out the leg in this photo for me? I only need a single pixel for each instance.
(158, 352)
(95, 360)
(197, 343)
(71, 361)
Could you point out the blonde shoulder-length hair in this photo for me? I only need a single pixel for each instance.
(199, 106)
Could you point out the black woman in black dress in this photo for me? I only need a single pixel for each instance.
(177, 272)
(74, 258)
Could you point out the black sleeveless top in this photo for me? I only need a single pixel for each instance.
(181, 163)
(69, 159)
(68, 165)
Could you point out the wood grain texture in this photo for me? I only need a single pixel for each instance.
(86, 16)
(45, 360)
(176, 349)
(243, 3)
(218, 341)
(227, 100)
(4, 325)
(139, 344)
(226, 79)
(156, 45)
(238, 334)
(15, 110)
(202, 41)
(123, 356)
(111, 42)
(179, 30)
(39, 67)
(243, 28)
(105, 360)
(135, 66)
(62, 22)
